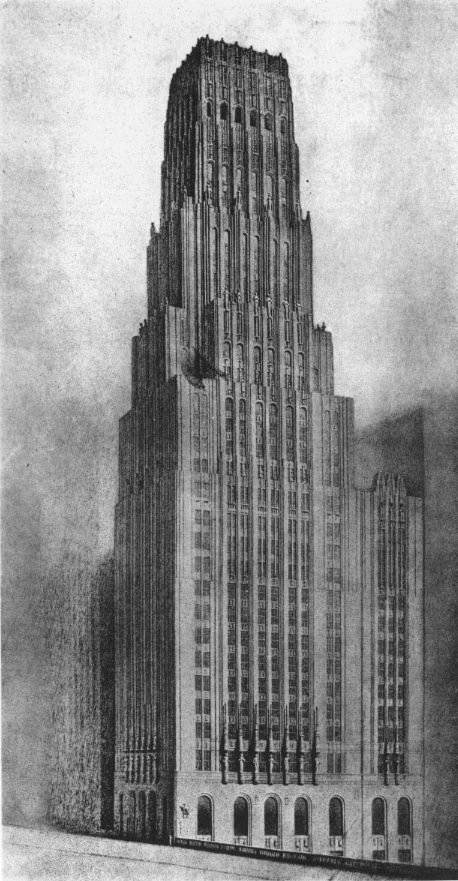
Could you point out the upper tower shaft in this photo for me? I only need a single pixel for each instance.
(231, 222)
(229, 133)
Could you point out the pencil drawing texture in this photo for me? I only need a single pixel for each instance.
(269, 658)
(268, 614)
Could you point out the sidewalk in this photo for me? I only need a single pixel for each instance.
(50, 855)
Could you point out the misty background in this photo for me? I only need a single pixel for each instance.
(84, 104)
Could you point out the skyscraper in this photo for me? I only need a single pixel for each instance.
(268, 615)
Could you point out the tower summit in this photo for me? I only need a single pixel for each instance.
(243, 605)
(230, 187)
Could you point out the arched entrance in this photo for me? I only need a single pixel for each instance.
(241, 821)
(271, 823)
(404, 831)
(204, 818)
(301, 824)
(379, 829)
(336, 825)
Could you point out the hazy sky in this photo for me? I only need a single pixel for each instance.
(84, 102)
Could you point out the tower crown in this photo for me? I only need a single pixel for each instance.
(229, 132)
(231, 220)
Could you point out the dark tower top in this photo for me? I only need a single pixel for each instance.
(229, 133)
(230, 161)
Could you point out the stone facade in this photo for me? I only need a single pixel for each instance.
(268, 615)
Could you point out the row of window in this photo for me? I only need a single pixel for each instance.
(239, 372)
(272, 318)
(274, 435)
(255, 248)
(252, 77)
(254, 117)
(269, 190)
(302, 821)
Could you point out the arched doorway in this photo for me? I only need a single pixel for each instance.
(336, 825)
(404, 831)
(204, 818)
(271, 837)
(241, 820)
(379, 829)
(301, 824)
(301, 817)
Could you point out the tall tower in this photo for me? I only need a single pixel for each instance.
(238, 599)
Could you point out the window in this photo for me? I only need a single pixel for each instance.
(229, 427)
(215, 262)
(209, 108)
(242, 427)
(268, 122)
(204, 816)
(274, 546)
(223, 111)
(270, 367)
(303, 435)
(239, 180)
(253, 118)
(288, 370)
(336, 817)
(378, 816)
(301, 817)
(276, 269)
(262, 546)
(210, 178)
(259, 431)
(257, 365)
(244, 263)
(404, 830)
(404, 823)
(290, 434)
(269, 186)
(238, 114)
(301, 372)
(270, 816)
(286, 271)
(269, 160)
(232, 545)
(240, 364)
(256, 261)
(244, 545)
(273, 431)
(227, 241)
(292, 549)
(283, 148)
(227, 361)
(241, 817)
